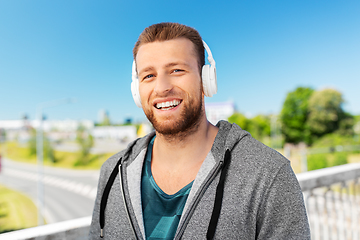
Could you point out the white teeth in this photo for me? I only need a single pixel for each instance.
(168, 104)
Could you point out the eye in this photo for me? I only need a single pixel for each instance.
(177, 70)
(148, 76)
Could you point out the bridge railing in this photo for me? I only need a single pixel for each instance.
(332, 199)
(76, 229)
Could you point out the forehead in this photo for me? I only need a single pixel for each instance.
(165, 51)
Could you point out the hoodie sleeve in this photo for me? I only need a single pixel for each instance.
(282, 214)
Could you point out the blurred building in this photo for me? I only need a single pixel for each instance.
(65, 129)
(118, 133)
(219, 111)
(15, 129)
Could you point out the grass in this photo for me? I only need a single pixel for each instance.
(16, 211)
(20, 153)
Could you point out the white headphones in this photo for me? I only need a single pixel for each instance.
(208, 75)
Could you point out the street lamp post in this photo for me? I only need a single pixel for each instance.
(40, 151)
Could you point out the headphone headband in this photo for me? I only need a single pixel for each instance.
(210, 57)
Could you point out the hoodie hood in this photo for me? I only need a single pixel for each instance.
(228, 136)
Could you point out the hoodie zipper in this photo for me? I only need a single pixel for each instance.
(197, 200)
(125, 203)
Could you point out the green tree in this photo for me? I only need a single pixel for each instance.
(347, 125)
(356, 127)
(240, 120)
(259, 127)
(49, 153)
(294, 115)
(86, 142)
(32, 143)
(326, 114)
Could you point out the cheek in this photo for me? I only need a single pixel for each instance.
(144, 93)
(192, 85)
(197, 90)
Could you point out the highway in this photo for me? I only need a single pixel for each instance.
(68, 194)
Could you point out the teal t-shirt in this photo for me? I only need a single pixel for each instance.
(161, 211)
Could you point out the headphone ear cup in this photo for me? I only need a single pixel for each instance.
(135, 92)
(205, 79)
(209, 74)
(135, 86)
(212, 80)
(209, 80)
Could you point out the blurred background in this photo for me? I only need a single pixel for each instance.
(288, 72)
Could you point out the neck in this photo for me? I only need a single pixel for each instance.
(184, 147)
(176, 160)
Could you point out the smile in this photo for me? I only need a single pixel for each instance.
(167, 105)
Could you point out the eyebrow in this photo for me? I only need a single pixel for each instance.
(177, 63)
(172, 64)
(147, 69)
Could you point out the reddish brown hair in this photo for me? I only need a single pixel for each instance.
(168, 31)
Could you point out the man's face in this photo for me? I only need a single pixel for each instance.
(170, 85)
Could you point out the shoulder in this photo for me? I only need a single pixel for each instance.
(258, 162)
(245, 149)
(253, 152)
(251, 160)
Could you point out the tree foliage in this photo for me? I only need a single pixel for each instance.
(326, 114)
(308, 115)
(357, 125)
(240, 120)
(294, 115)
(325, 111)
(258, 126)
(48, 150)
(86, 142)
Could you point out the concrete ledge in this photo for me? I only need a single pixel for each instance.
(73, 229)
(327, 176)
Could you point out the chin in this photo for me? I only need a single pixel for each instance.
(189, 120)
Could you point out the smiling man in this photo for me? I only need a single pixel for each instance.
(190, 179)
(170, 86)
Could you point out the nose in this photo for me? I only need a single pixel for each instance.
(163, 84)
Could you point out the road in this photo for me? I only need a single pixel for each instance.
(68, 194)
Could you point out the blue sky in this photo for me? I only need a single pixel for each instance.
(263, 49)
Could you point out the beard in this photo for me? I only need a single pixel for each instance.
(188, 121)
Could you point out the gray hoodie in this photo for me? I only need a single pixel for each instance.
(261, 196)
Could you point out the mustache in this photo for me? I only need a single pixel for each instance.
(170, 93)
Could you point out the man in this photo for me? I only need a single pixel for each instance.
(189, 179)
